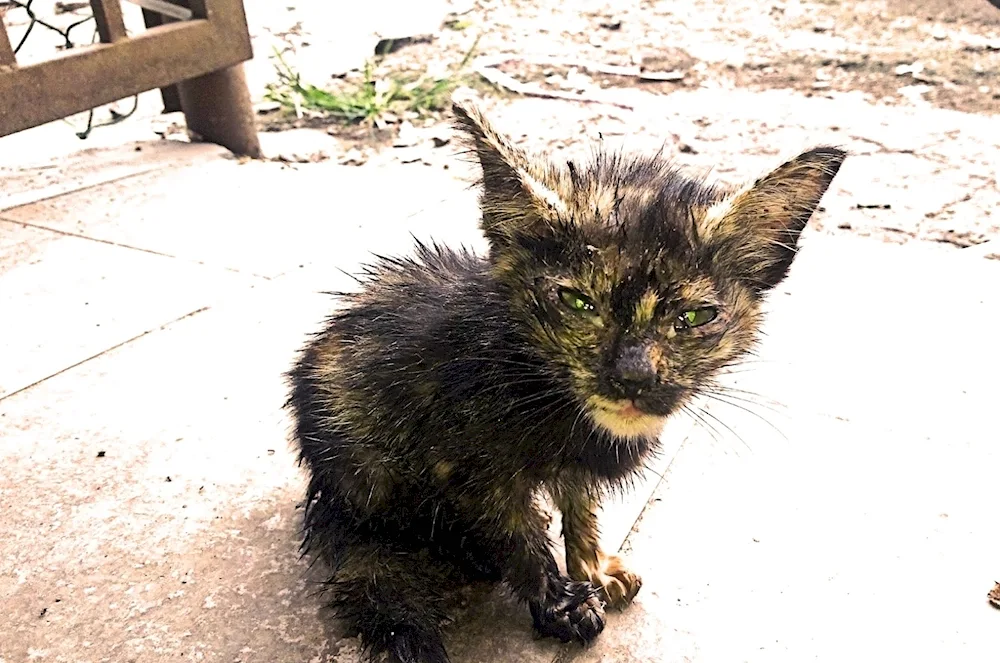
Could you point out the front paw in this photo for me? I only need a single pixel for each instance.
(574, 613)
(618, 585)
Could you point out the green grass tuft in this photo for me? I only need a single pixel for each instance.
(366, 101)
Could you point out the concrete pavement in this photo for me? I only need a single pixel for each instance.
(149, 500)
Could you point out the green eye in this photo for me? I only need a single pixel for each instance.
(577, 301)
(696, 317)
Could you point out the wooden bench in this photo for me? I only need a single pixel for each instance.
(192, 50)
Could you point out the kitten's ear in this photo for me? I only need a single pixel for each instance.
(519, 195)
(756, 229)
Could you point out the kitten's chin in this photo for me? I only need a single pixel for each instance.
(623, 420)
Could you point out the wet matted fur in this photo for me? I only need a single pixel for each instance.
(452, 389)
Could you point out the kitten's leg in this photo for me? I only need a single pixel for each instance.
(395, 600)
(584, 558)
(560, 607)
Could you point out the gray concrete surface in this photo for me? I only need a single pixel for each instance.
(863, 526)
(149, 499)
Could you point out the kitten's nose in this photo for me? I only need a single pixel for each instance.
(633, 370)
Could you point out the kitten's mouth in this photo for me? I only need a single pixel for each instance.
(626, 409)
(629, 410)
(624, 418)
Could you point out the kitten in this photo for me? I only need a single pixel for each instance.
(433, 410)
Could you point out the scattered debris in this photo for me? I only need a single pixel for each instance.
(410, 155)
(914, 93)
(952, 71)
(989, 249)
(353, 157)
(909, 69)
(666, 64)
(488, 69)
(386, 46)
(171, 126)
(977, 44)
(583, 91)
(407, 136)
(100, 454)
(69, 7)
(972, 241)
(647, 75)
(457, 24)
(824, 25)
(267, 107)
(298, 145)
(298, 157)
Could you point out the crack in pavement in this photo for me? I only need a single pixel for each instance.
(106, 351)
(132, 247)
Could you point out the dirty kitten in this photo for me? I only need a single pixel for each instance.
(434, 409)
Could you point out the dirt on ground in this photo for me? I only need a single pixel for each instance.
(911, 88)
(943, 52)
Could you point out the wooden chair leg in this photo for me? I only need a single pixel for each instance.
(217, 107)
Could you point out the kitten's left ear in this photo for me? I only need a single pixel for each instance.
(756, 230)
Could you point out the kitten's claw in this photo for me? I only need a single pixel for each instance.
(577, 614)
(616, 585)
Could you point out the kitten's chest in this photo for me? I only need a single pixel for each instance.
(595, 453)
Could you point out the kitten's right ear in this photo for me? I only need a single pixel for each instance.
(519, 196)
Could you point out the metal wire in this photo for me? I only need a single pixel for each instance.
(68, 42)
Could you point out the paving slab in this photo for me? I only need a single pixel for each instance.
(21, 245)
(73, 298)
(149, 499)
(24, 183)
(844, 544)
(262, 218)
(862, 526)
(878, 333)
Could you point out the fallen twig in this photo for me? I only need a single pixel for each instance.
(487, 68)
(633, 71)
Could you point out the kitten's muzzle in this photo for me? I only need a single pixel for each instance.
(633, 371)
